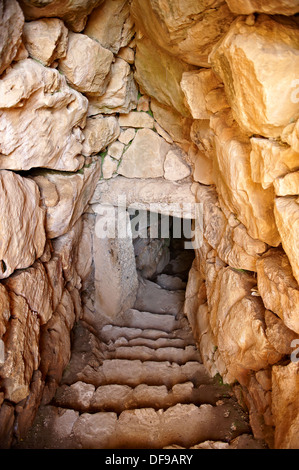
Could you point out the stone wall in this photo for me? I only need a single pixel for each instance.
(163, 102)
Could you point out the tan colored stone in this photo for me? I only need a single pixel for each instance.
(115, 150)
(127, 54)
(111, 25)
(177, 126)
(279, 335)
(11, 26)
(270, 160)
(143, 103)
(127, 136)
(33, 284)
(21, 350)
(159, 75)
(288, 185)
(186, 30)
(74, 191)
(98, 133)
(40, 119)
(136, 119)
(21, 54)
(46, 39)
(202, 136)
(4, 310)
(273, 7)
(121, 93)
(196, 85)
(109, 167)
(285, 405)
(278, 287)
(202, 166)
(145, 157)
(73, 14)
(290, 134)
(175, 165)
(86, 65)
(252, 90)
(22, 230)
(286, 210)
(251, 204)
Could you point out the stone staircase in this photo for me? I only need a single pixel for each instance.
(141, 384)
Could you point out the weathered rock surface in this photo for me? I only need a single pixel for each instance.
(66, 196)
(46, 39)
(22, 223)
(111, 25)
(121, 93)
(251, 204)
(86, 64)
(145, 157)
(287, 185)
(41, 119)
(287, 220)
(175, 166)
(136, 119)
(251, 90)
(274, 7)
(73, 14)
(11, 26)
(187, 31)
(99, 132)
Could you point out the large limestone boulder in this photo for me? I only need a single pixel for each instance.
(186, 30)
(260, 99)
(273, 7)
(86, 64)
(121, 93)
(74, 14)
(45, 39)
(251, 204)
(159, 75)
(286, 210)
(22, 231)
(66, 196)
(145, 157)
(278, 287)
(99, 132)
(111, 25)
(11, 26)
(285, 405)
(270, 159)
(41, 119)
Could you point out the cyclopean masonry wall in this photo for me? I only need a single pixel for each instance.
(161, 104)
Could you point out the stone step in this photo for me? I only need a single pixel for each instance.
(170, 282)
(145, 353)
(146, 320)
(136, 372)
(183, 425)
(152, 298)
(114, 397)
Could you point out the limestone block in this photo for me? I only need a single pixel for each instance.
(86, 64)
(127, 136)
(40, 121)
(186, 30)
(196, 85)
(285, 405)
(11, 25)
(128, 54)
(145, 157)
(278, 287)
(290, 134)
(109, 167)
(202, 166)
(270, 160)
(4, 310)
(159, 75)
(46, 39)
(73, 190)
(115, 150)
(279, 335)
(273, 7)
(121, 93)
(175, 165)
(22, 231)
(74, 14)
(21, 350)
(111, 25)
(261, 101)
(99, 132)
(286, 210)
(251, 204)
(287, 185)
(136, 119)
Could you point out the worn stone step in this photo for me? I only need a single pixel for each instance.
(152, 298)
(182, 425)
(146, 320)
(170, 282)
(114, 397)
(145, 353)
(136, 372)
